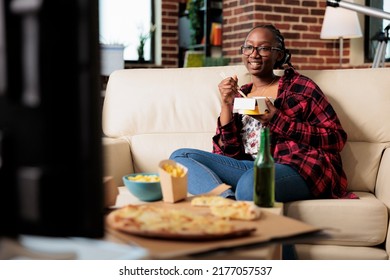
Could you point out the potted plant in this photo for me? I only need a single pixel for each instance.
(143, 37)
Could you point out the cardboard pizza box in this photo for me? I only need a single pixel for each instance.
(270, 228)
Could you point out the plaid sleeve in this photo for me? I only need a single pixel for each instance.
(229, 135)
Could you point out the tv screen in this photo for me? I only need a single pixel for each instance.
(50, 119)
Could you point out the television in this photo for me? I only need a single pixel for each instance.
(50, 119)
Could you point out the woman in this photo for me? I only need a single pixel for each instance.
(306, 135)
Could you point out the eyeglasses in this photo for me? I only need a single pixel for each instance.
(261, 50)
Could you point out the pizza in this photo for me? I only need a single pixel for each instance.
(153, 221)
(227, 208)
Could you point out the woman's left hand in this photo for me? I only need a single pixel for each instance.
(265, 118)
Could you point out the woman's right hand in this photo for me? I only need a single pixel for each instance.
(228, 89)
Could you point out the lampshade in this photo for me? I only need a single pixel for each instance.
(340, 23)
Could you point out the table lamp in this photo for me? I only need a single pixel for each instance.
(340, 24)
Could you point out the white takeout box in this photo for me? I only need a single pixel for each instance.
(241, 105)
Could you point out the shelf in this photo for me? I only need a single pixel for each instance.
(197, 46)
(208, 14)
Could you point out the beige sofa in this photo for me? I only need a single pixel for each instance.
(148, 113)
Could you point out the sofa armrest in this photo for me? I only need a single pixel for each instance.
(117, 159)
(382, 189)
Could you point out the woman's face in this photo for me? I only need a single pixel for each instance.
(261, 64)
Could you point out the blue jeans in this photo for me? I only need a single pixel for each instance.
(208, 170)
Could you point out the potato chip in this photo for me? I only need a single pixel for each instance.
(144, 178)
(174, 170)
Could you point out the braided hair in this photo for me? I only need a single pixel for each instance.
(280, 39)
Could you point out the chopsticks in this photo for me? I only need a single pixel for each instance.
(224, 76)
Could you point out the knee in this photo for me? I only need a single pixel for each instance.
(244, 188)
(180, 153)
(176, 153)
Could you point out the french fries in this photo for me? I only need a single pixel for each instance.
(144, 178)
(174, 170)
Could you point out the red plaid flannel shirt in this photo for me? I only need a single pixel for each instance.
(306, 134)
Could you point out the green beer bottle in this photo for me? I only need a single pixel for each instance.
(264, 172)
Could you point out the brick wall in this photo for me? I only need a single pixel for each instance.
(299, 21)
(170, 36)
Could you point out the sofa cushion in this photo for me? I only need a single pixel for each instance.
(334, 252)
(361, 162)
(358, 222)
(149, 149)
(191, 105)
(361, 99)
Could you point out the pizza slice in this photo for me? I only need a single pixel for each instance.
(237, 210)
(227, 208)
(210, 200)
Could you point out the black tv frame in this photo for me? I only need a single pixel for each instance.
(50, 144)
